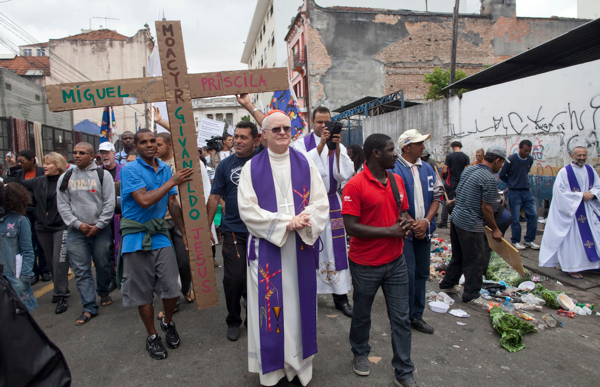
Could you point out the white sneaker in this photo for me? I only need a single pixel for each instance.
(456, 289)
(519, 246)
(532, 245)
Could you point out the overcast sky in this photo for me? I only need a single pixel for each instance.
(214, 31)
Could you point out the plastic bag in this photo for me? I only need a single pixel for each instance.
(500, 271)
(531, 299)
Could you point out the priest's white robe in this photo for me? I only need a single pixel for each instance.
(271, 226)
(329, 279)
(561, 244)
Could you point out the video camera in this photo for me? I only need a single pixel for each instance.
(215, 142)
(334, 127)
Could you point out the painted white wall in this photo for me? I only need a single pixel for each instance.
(413, 5)
(588, 9)
(556, 111)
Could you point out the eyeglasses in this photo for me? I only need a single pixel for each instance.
(21, 161)
(81, 153)
(285, 129)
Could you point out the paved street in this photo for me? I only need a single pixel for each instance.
(109, 351)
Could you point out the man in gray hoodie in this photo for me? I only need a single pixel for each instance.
(86, 203)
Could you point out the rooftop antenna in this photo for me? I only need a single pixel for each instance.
(164, 19)
(106, 20)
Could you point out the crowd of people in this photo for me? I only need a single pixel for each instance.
(288, 210)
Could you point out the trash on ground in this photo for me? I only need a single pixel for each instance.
(525, 316)
(527, 286)
(511, 328)
(439, 307)
(374, 359)
(459, 313)
(548, 295)
(500, 271)
(526, 306)
(331, 315)
(531, 299)
(538, 278)
(566, 313)
(440, 297)
(559, 283)
(565, 301)
(455, 346)
(589, 306)
(550, 320)
(461, 323)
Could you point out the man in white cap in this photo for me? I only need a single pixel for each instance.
(475, 194)
(423, 192)
(107, 155)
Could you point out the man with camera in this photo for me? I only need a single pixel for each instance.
(324, 146)
(219, 149)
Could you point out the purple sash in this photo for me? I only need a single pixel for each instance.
(338, 235)
(582, 221)
(269, 266)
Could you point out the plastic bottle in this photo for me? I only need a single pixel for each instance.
(508, 306)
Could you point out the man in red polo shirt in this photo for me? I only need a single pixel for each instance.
(373, 219)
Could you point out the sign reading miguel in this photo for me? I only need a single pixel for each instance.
(183, 130)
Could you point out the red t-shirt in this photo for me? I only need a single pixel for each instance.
(374, 205)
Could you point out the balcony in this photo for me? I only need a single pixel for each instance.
(299, 60)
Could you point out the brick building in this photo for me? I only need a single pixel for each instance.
(356, 52)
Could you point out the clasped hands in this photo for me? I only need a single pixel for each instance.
(298, 222)
(588, 196)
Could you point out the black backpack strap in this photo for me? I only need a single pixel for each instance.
(100, 172)
(394, 184)
(65, 181)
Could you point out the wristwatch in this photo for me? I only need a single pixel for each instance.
(254, 111)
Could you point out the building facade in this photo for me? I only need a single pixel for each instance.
(353, 53)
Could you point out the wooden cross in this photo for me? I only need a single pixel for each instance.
(286, 205)
(178, 89)
(581, 219)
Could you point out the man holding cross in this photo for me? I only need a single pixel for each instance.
(335, 167)
(148, 259)
(284, 212)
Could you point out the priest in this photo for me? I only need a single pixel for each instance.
(572, 235)
(283, 202)
(335, 167)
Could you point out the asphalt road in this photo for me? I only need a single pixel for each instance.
(110, 349)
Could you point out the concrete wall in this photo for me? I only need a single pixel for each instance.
(556, 111)
(353, 53)
(27, 101)
(103, 60)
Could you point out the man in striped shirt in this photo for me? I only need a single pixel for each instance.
(475, 194)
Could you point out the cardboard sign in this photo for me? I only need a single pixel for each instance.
(118, 92)
(183, 130)
(507, 251)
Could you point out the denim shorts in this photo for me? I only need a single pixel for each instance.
(146, 273)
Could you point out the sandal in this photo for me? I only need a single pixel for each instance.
(84, 318)
(189, 297)
(106, 300)
(576, 276)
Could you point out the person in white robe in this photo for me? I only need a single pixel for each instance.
(280, 228)
(572, 236)
(330, 279)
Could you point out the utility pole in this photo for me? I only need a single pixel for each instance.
(454, 43)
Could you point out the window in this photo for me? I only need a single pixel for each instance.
(8, 86)
(271, 10)
(265, 54)
(27, 52)
(37, 97)
(264, 29)
(209, 116)
(196, 118)
(219, 117)
(41, 52)
(260, 38)
(229, 118)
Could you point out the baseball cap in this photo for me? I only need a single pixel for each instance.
(106, 146)
(497, 150)
(410, 137)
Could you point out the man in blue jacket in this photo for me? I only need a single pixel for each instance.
(423, 192)
(516, 176)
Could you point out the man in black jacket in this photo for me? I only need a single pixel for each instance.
(29, 170)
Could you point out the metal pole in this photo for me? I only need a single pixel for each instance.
(454, 43)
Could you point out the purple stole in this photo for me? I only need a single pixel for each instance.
(270, 287)
(338, 235)
(582, 221)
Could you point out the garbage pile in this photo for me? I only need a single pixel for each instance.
(440, 257)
